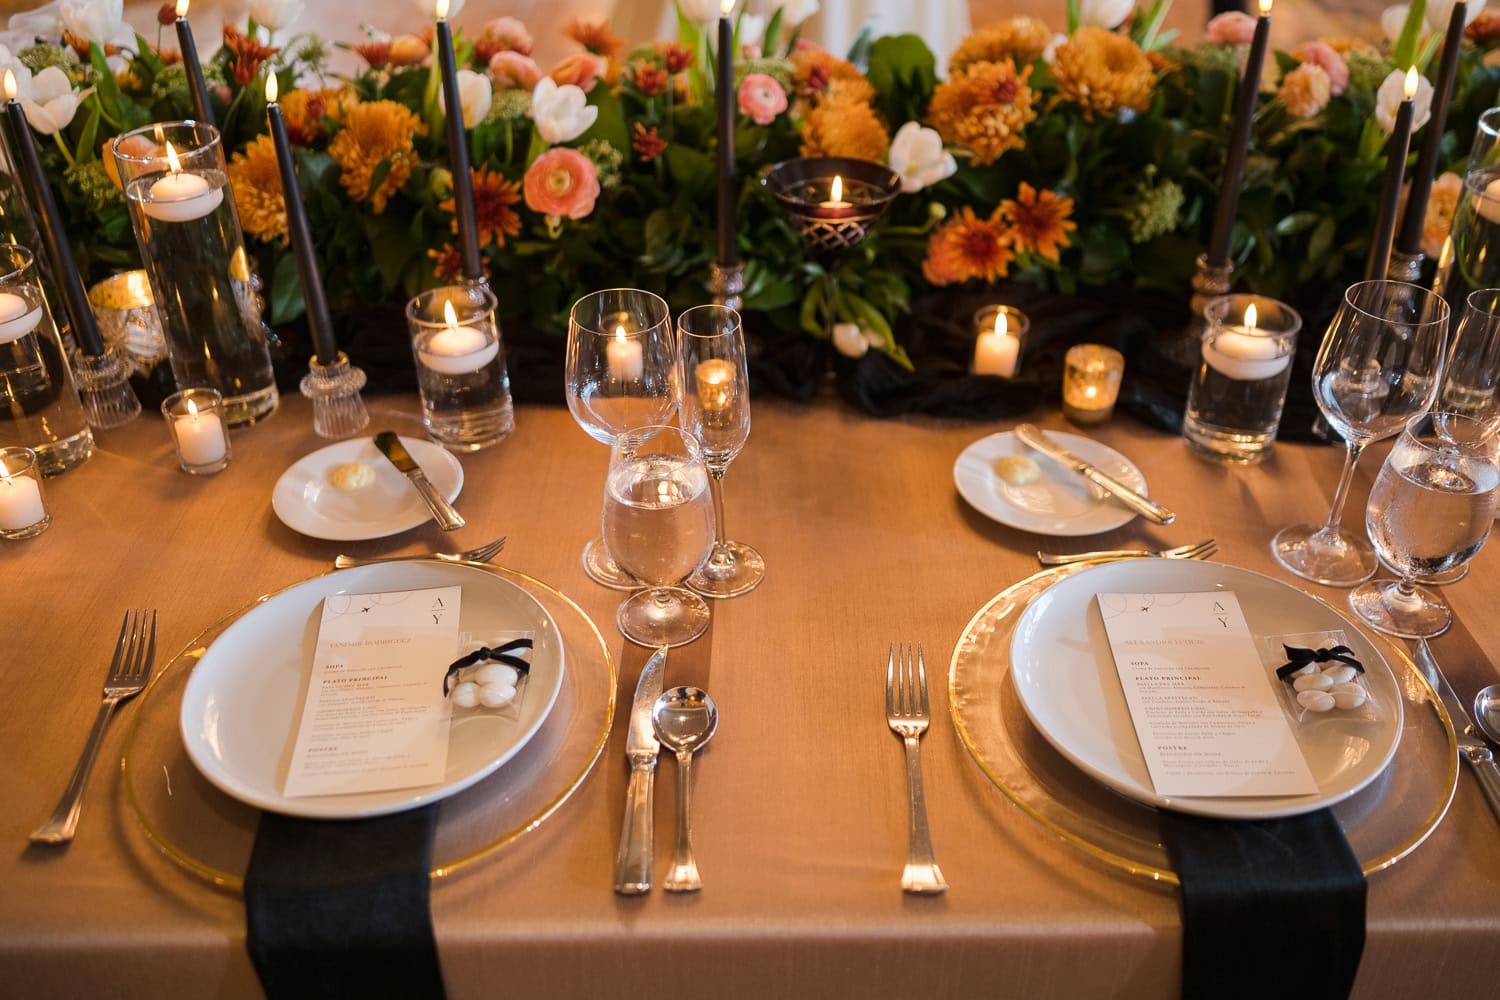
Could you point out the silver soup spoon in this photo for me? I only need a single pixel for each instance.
(685, 719)
(1487, 711)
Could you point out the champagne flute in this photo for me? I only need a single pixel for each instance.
(1430, 510)
(1377, 368)
(621, 373)
(658, 525)
(716, 409)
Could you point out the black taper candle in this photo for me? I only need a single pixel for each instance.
(458, 153)
(1239, 142)
(199, 91)
(69, 282)
(724, 96)
(318, 319)
(1410, 239)
(1379, 260)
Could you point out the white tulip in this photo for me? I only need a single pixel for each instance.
(92, 20)
(849, 340)
(794, 12)
(44, 22)
(275, 14)
(475, 94)
(752, 29)
(1439, 11)
(53, 102)
(429, 7)
(561, 114)
(1108, 14)
(1393, 91)
(700, 11)
(917, 155)
(1392, 20)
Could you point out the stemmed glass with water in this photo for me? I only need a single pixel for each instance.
(1378, 367)
(716, 410)
(621, 373)
(1468, 260)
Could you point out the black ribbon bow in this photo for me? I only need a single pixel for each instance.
(500, 654)
(1297, 658)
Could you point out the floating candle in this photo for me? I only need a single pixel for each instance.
(181, 196)
(17, 317)
(836, 194)
(1246, 353)
(458, 349)
(996, 351)
(623, 356)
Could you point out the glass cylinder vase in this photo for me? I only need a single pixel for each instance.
(194, 254)
(39, 407)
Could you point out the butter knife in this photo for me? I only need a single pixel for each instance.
(1034, 437)
(442, 511)
(633, 860)
(1471, 746)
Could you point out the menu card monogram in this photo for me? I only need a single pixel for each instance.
(375, 718)
(1203, 705)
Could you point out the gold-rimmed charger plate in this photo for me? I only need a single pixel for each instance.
(1383, 823)
(210, 834)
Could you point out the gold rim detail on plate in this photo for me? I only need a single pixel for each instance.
(142, 746)
(996, 621)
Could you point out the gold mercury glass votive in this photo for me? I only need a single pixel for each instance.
(127, 318)
(1091, 383)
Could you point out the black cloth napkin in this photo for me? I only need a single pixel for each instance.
(1270, 908)
(341, 909)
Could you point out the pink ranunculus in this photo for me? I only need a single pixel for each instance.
(1325, 56)
(511, 69)
(509, 33)
(561, 182)
(1231, 28)
(582, 71)
(761, 98)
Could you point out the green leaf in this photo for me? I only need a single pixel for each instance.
(286, 290)
(378, 175)
(145, 56)
(390, 248)
(1322, 239)
(904, 74)
(610, 125)
(89, 136)
(1075, 16)
(690, 168)
(1404, 52)
(687, 32)
(773, 33)
(1296, 223)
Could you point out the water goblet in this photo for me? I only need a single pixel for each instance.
(658, 525)
(1377, 368)
(716, 409)
(621, 373)
(1430, 510)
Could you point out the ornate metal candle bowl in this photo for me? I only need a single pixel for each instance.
(831, 223)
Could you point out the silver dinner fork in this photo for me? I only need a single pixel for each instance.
(128, 673)
(907, 713)
(480, 553)
(1197, 550)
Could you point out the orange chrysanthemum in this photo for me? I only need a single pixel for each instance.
(647, 143)
(1020, 39)
(493, 196)
(375, 51)
(1103, 72)
(844, 128)
(674, 56)
(814, 68)
(256, 183)
(596, 37)
(246, 54)
(304, 110)
(448, 264)
(649, 78)
(984, 108)
(1484, 30)
(967, 247)
(373, 133)
(1039, 221)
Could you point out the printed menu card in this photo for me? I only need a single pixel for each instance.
(375, 718)
(1203, 705)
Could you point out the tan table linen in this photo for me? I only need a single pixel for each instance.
(800, 802)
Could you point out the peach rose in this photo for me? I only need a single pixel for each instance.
(1231, 28)
(512, 69)
(1323, 55)
(408, 50)
(582, 70)
(509, 34)
(761, 98)
(561, 182)
(1441, 204)
(1305, 90)
(135, 146)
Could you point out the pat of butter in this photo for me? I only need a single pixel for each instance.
(353, 476)
(1018, 470)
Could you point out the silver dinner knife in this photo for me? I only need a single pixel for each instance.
(1034, 437)
(633, 860)
(442, 511)
(1471, 746)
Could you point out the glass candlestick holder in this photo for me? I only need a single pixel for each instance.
(199, 430)
(1091, 383)
(455, 341)
(39, 405)
(194, 254)
(104, 388)
(23, 502)
(338, 409)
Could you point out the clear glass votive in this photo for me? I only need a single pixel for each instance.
(1235, 397)
(999, 337)
(39, 405)
(23, 504)
(1091, 383)
(455, 340)
(199, 430)
(190, 241)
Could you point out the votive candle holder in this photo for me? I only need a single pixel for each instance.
(200, 431)
(23, 501)
(999, 338)
(1091, 383)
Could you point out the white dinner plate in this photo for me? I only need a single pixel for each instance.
(242, 704)
(306, 501)
(1065, 675)
(1061, 502)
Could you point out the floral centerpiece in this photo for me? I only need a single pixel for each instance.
(1089, 158)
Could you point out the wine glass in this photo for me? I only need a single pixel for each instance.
(716, 409)
(658, 525)
(1466, 261)
(1430, 510)
(1377, 368)
(621, 373)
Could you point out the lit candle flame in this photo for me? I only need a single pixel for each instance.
(182, 7)
(270, 88)
(620, 334)
(173, 164)
(449, 316)
(836, 193)
(441, 10)
(1002, 324)
(192, 409)
(1412, 76)
(1265, 8)
(1250, 317)
(725, 6)
(10, 86)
